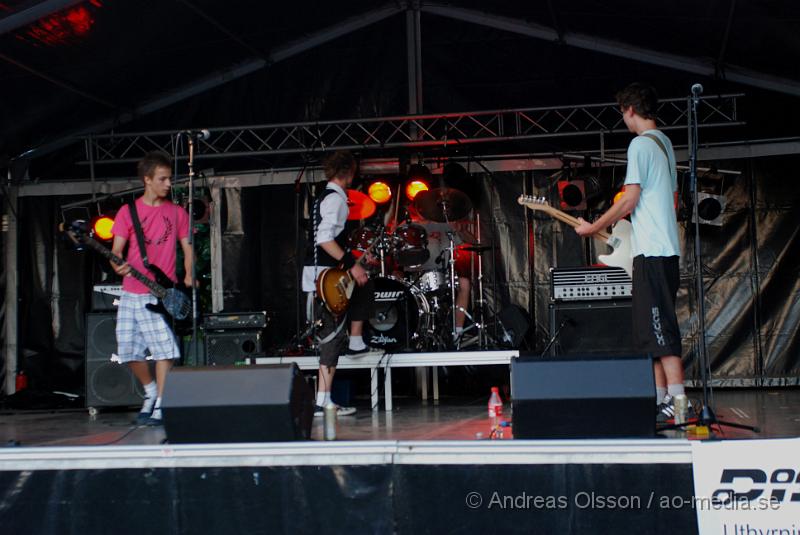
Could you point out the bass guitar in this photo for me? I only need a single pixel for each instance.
(174, 302)
(619, 240)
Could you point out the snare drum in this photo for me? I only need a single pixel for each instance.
(432, 281)
(411, 247)
(401, 316)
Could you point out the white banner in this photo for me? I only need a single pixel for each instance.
(747, 487)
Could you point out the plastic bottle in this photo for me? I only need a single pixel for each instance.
(21, 382)
(495, 406)
(329, 421)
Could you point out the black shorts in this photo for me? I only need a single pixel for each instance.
(655, 289)
(360, 309)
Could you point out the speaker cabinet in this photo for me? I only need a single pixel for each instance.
(583, 397)
(108, 384)
(237, 404)
(225, 348)
(591, 328)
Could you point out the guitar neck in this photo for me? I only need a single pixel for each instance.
(573, 222)
(155, 288)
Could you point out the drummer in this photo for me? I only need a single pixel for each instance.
(438, 242)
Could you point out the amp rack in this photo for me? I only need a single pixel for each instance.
(589, 284)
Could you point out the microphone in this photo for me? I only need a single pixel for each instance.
(203, 134)
(697, 89)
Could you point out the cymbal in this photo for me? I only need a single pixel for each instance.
(476, 248)
(443, 204)
(359, 205)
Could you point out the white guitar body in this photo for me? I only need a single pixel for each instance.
(620, 242)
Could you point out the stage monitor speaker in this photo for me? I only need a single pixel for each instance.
(592, 327)
(583, 397)
(225, 348)
(108, 384)
(237, 404)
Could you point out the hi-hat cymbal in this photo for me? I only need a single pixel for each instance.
(359, 205)
(476, 248)
(443, 204)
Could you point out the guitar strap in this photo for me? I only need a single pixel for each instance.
(137, 227)
(660, 146)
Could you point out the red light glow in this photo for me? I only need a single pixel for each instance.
(65, 26)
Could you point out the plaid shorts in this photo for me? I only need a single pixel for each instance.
(140, 329)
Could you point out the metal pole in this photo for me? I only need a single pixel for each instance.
(414, 59)
(12, 286)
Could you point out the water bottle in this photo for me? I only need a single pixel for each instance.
(681, 404)
(495, 406)
(329, 421)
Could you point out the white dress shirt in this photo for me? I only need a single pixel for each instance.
(333, 213)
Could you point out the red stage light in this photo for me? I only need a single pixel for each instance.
(380, 192)
(64, 26)
(415, 187)
(102, 227)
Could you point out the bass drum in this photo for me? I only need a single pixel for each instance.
(401, 316)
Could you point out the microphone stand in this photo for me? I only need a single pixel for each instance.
(555, 336)
(707, 416)
(193, 343)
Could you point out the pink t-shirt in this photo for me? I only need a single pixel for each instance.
(163, 226)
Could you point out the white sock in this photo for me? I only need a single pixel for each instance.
(157, 410)
(357, 343)
(150, 394)
(676, 390)
(322, 398)
(661, 393)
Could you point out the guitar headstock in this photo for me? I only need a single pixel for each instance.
(77, 231)
(535, 203)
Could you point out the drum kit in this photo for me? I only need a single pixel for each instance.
(416, 283)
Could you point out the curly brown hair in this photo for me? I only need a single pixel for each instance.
(341, 161)
(642, 97)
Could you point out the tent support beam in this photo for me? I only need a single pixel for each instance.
(222, 77)
(33, 13)
(731, 73)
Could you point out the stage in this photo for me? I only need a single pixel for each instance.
(425, 467)
(385, 472)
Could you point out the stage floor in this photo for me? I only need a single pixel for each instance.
(775, 411)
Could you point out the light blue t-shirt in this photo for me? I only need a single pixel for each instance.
(655, 225)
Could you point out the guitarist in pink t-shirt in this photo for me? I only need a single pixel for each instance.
(140, 329)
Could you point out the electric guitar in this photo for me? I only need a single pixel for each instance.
(173, 299)
(619, 239)
(335, 285)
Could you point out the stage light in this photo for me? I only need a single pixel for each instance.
(201, 210)
(711, 208)
(380, 192)
(415, 187)
(419, 172)
(618, 195)
(572, 194)
(101, 226)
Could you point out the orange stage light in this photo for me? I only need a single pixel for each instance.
(380, 192)
(618, 195)
(102, 227)
(414, 187)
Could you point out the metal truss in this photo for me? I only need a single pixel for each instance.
(409, 132)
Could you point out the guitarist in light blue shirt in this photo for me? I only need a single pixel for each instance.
(650, 186)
